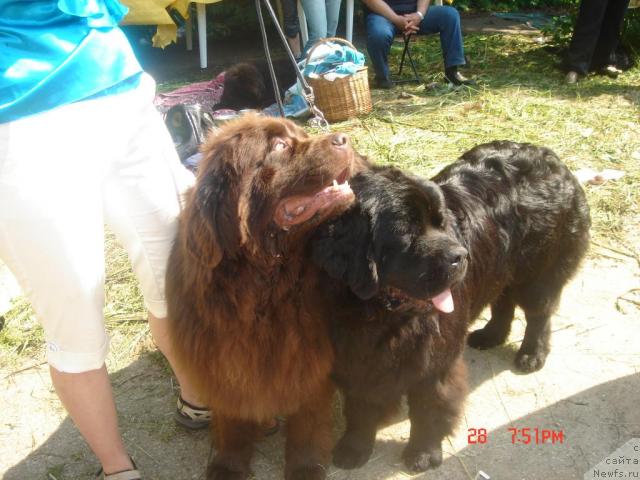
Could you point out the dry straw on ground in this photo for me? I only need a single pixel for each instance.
(520, 96)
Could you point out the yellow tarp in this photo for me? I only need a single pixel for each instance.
(154, 12)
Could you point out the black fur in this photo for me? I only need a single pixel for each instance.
(507, 224)
(249, 85)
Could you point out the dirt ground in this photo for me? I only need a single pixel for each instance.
(589, 390)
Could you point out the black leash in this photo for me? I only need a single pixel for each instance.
(307, 92)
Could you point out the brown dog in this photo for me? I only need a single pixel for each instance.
(246, 321)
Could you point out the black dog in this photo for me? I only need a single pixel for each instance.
(506, 225)
(249, 85)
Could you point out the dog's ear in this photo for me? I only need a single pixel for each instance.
(344, 249)
(426, 189)
(210, 226)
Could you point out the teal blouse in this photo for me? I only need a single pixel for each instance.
(55, 52)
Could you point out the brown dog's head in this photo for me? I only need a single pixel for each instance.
(262, 185)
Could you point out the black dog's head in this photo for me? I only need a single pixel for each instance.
(397, 235)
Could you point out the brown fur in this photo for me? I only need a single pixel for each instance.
(246, 323)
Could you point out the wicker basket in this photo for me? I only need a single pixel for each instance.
(344, 97)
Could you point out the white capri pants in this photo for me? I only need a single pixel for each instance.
(65, 173)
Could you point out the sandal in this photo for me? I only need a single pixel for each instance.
(126, 475)
(190, 416)
(196, 418)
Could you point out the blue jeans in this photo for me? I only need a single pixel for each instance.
(439, 19)
(322, 19)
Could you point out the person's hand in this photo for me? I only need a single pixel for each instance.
(414, 18)
(401, 23)
(412, 23)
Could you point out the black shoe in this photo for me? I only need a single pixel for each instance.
(610, 71)
(383, 83)
(453, 76)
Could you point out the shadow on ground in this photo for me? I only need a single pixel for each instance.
(594, 423)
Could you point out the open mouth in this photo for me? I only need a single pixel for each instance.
(342, 177)
(443, 302)
(301, 208)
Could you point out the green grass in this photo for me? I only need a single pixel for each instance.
(520, 96)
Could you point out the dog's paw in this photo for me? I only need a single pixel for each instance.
(483, 339)
(221, 472)
(417, 460)
(309, 472)
(347, 455)
(528, 363)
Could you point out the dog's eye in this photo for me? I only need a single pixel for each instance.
(279, 144)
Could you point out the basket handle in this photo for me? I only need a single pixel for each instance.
(327, 40)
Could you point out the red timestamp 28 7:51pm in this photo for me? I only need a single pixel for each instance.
(520, 436)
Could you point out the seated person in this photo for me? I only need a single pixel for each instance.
(387, 18)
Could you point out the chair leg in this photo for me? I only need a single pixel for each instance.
(406, 53)
(413, 66)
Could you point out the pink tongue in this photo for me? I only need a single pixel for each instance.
(443, 301)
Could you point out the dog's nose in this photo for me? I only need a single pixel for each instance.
(457, 256)
(339, 140)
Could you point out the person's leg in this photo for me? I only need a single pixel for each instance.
(604, 52)
(160, 333)
(316, 13)
(88, 398)
(292, 26)
(51, 237)
(380, 33)
(585, 35)
(142, 198)
(446, 22)
(333, 16)
(294, 45)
